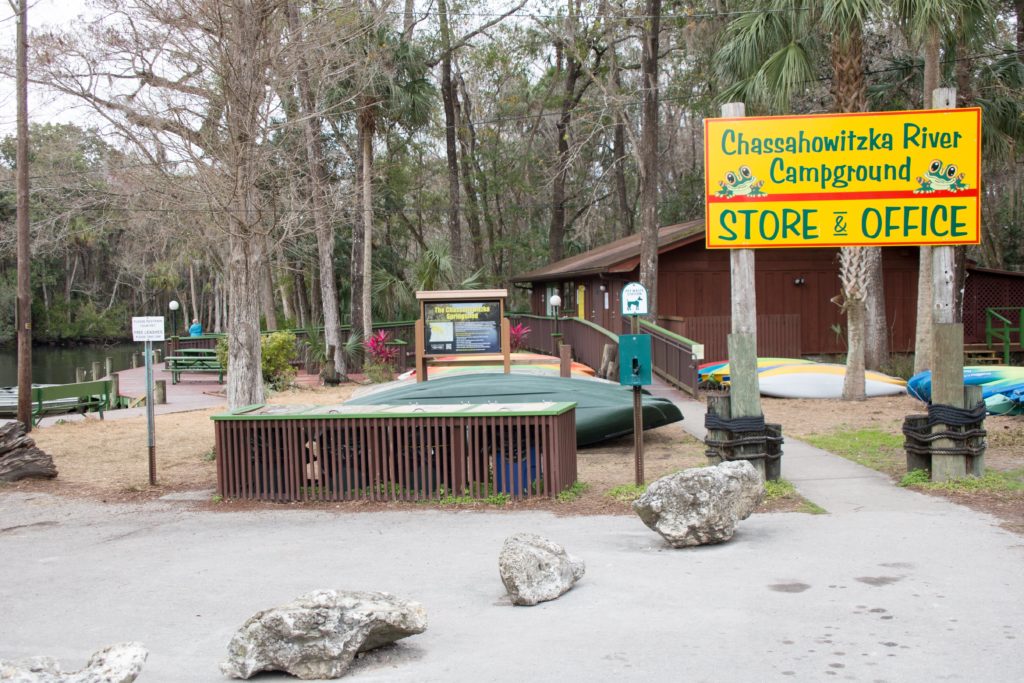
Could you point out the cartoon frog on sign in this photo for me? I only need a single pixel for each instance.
(939, 177)
(742, 185)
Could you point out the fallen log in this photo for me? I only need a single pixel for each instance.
(20, 457)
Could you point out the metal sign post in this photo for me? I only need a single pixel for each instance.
(635, 366)
(148, 330)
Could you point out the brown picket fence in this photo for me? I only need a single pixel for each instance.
(386, 453)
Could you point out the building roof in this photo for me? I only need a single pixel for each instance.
(620, 256)
(623, 256)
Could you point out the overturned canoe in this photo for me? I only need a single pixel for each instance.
(603, 410)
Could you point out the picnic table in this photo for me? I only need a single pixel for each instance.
(193, 362)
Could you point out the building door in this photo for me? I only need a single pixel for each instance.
(581, 298)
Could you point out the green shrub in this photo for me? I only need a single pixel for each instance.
(378, 373)
(278, 353)
(915, 478)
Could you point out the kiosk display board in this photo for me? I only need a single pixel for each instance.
(839, 180)
(453, 327)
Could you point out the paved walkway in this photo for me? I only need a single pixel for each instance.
(889, 586)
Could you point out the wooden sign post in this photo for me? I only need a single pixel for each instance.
(468, 322)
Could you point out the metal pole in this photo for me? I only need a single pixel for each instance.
(150, 422)
(638, 417)
(24, 308)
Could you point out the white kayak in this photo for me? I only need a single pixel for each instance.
(821, 380)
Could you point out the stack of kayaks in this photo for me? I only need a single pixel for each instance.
(800, 378)
(1002, 387)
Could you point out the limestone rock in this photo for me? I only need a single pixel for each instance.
(120, 663)
(535, 569)
(701, 505)
(319, 634)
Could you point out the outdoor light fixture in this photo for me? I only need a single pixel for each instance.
(555, 302)
(799, 280)
(174, 305)
(602, 287)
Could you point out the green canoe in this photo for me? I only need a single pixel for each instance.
(603, 410)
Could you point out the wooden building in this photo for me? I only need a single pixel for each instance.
(795, 291)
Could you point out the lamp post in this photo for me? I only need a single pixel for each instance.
(555, 302)
(174, 317)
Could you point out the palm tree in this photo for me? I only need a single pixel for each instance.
(770, 58)
(393, 89)
(926, 22)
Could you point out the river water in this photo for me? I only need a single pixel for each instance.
(56, 364)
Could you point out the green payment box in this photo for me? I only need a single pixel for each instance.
(635, 359)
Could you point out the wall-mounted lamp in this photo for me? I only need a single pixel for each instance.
(602, 287)
(799, 281)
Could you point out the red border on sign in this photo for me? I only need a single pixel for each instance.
(711, 199)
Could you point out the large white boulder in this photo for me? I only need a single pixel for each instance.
(120, 663)
(535, 569)
(319, 634)
(701, 505)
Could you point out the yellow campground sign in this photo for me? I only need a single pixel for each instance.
(902, 177)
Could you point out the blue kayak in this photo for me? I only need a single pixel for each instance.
(1002, 387)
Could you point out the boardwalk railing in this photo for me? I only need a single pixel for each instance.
(1005, 327)
(588, 340)
(403, 330)
(379, 452)
(674, 356)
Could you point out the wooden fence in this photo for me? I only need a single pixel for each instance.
(378, 452)
(674, 356)
(588, 341)
(777, 335)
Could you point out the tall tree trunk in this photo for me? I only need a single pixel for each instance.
(925, 296)
(301, 303)
(286, 302)
(367, 256)
(267, 300)
(468, 178)
(850, 92)
(316, 179)
(649, 156)
(478, 175)
(247, 60)
(448, 100)
(192, 290)
(855, 271)
(356, 259)
(218, 324)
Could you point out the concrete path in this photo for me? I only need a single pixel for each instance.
(890, 586)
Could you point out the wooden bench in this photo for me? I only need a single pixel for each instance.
(193, 363)
(64, 398)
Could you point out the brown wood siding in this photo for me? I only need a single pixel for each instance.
(694, 282)
(988, 290)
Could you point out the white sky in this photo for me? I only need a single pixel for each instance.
(42, 108)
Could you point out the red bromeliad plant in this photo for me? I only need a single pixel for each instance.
(377, 348)
(517, 335)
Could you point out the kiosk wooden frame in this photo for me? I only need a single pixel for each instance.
(464, 296)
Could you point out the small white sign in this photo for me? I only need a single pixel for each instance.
(634, 299)
(148, 329)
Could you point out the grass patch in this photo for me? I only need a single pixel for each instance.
(573, 492)
(811, 508)
(915, 478)
(210, 455)
(781, 496)
(773, 490)
(874, 448)
(991, 481)
(626, 493)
